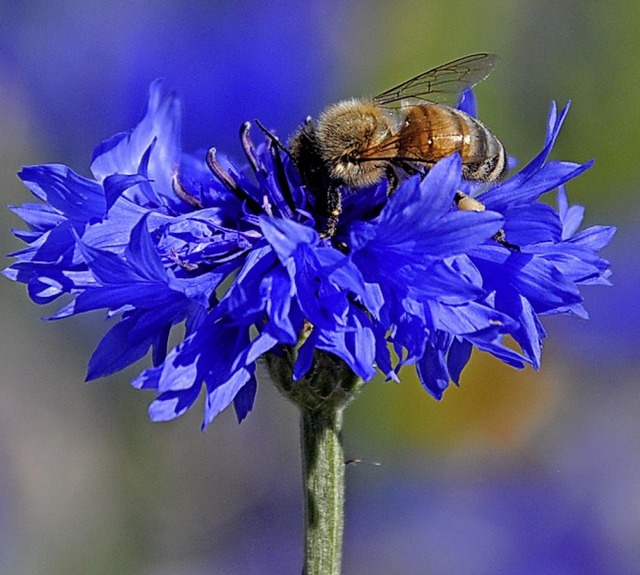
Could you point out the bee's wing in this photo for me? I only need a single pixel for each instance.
(442, 84)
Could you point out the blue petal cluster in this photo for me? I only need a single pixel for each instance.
(160, 238)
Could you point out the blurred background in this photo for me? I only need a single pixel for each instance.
(515, 472)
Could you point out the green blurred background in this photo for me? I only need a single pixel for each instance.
(515, 472)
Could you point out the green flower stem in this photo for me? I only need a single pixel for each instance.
(323, 483)
(322, 395)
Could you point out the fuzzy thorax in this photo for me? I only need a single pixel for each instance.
(348, 134)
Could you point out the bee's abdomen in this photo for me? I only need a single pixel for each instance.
(492, 168)
(486, 159)
(432, 132)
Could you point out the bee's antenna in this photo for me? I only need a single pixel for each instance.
(376, 159)
(273, 138)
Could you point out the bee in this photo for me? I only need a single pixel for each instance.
(402, 131)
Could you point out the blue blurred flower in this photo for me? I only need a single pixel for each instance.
(64, 62)
(160, 237)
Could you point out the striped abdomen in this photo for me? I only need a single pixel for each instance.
(431, 132)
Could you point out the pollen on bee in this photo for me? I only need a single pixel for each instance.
(469, 204)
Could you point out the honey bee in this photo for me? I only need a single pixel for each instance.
(399, 132)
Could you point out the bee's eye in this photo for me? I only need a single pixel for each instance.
(351, 157)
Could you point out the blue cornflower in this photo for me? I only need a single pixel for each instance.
(160, 237)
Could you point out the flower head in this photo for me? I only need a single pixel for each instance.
(160, 238)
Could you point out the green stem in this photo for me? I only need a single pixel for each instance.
(321, 396)
(323, 482)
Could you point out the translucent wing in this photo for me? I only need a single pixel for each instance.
(442, 84)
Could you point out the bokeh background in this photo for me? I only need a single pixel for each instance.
(515, 472)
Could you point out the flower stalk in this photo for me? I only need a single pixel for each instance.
(323, 484)
(322, 397)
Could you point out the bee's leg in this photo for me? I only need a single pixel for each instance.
(334, 209)
(469, 204)
(393, 181)
(501, 238)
